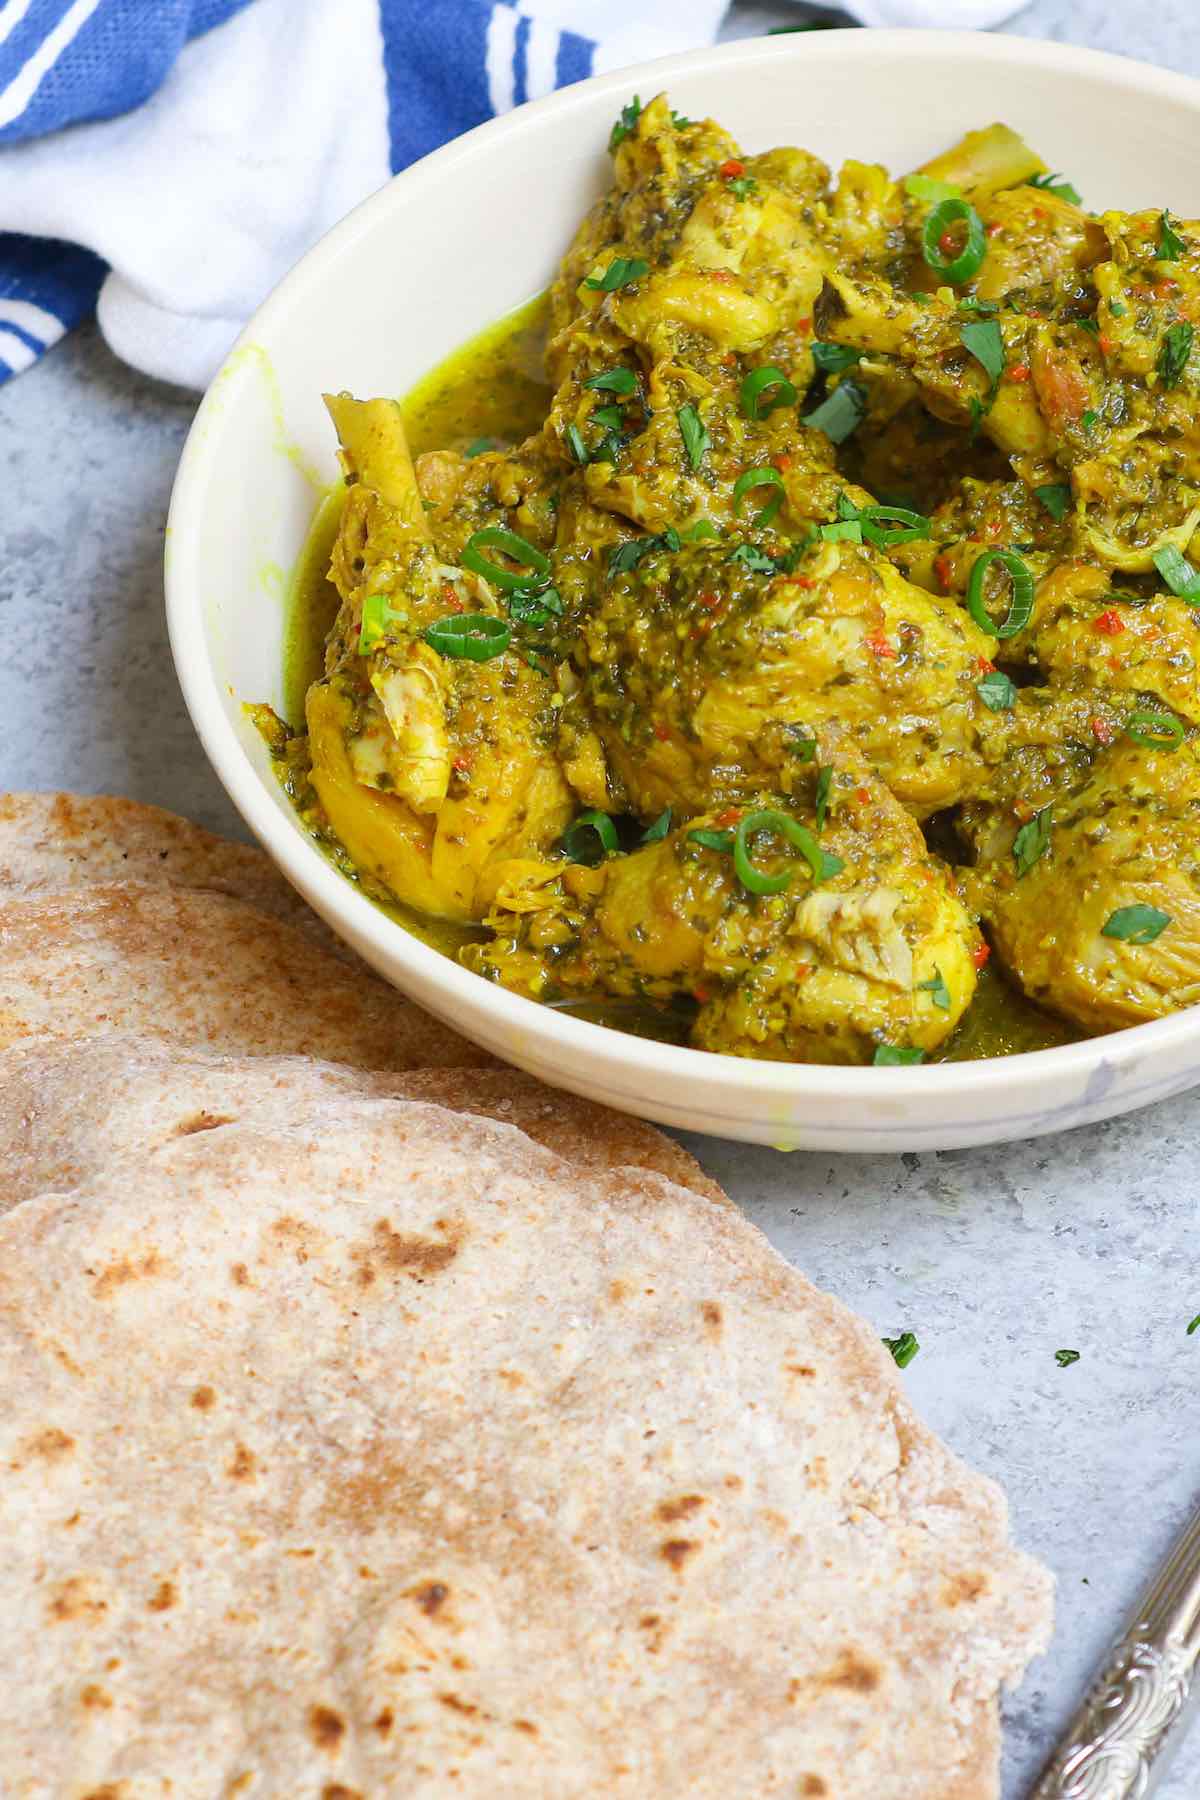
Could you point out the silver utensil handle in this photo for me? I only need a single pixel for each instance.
(1114, 1747)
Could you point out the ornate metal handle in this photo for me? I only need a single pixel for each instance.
(1114, 1747)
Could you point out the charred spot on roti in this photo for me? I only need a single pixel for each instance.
(431, 1597)
(96, 1699)
(244, 1466)
(126, 1269)
(804, 1370)
(326, 1727)
(333, 1790)
(164, 1597)
(202, 1121)
(813, 1787)
(711, 1313)
(677, 1550)
(458, 1705)
(204, 1397)
(669, 1511)
(527, 1726)
(112, 1790)
(50, 1445)
(384, 1721)
(852, 1671)
(75, 1599)
(239, 1274)
(619, 1290)
(962, 1589)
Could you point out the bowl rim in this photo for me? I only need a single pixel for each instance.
(347, 907)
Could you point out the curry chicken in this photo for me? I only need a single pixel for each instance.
(834, 632)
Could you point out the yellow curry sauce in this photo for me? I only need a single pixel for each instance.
(494, 389)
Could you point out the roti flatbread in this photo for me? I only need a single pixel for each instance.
(55, 840)
(386, 1453)
(75, 1109)
(202, 969)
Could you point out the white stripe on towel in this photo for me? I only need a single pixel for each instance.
(16, 352)
(501, 59)
(34, 319)
(23, 87)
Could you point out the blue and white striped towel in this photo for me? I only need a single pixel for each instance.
(170, 159)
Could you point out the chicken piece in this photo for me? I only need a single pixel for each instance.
(1138, 651)
(428, 767)
(705, 671)
(984, 162)
(1038, 244)
(1059, 901)
(876, 949)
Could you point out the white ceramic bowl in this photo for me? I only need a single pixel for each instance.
(456, 242)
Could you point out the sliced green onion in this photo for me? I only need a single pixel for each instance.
(984, 339)
(750, 479)
(937, 990)
(1021, 599)
(1054, 184)
(576, 445)
(756, 880)
(903, 1348)
(976, 308)
(1178, 573)
(1173, 353)
(626, 123)
(590, 838)
(1154, 730)
(997, 692)
(475, 637)
(908, 525)
(843, 531)
(376, 617)
(619, 273)
(497, 537)
(1089, 419)
(1033, 840)
(703, 528)
(800, 743)
(614, 381)
(840, 413)
(1064, 1358)
(654, 834)
(721, 841)
(480, 445)
(695, 438)
(1135, 924)
(930, 191)
(764, 389)
(895, 1056)
(832, 359)
(1194, 1326)
(969, 260)
(609, 418)
(1170, 245)
(1056, 498)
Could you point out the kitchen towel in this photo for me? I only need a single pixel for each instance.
(166, 161)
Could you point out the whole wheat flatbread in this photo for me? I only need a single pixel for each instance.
(202, 969)
(71, 1110)
(388, 1454)
(55, 840)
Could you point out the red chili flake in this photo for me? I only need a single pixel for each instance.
(1023, 811)
(662, 732)
(731, 169)
(943, 568)
(450, 596)
(731, 816)
(461, 764)
(948, 243)
(730, 359)
(701, 994)
(782, 463)
(994, 229)
(1106, 343)
(878, 645)
(1019, 372)
(801, 581)
(1039, 212)
(1164, 286)
(862, 795)
(1110, 623)
(722, 275)
(712, 601)
(800, 970)
(980, 956)
(986, 666)
(1102, 731)
(804, 326)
